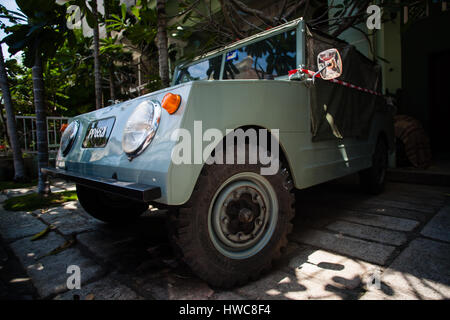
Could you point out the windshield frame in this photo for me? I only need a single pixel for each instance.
(298, 25)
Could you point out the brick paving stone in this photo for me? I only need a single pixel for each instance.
(422, 270)
(226, 295)
(105, 247)
(138, 247)
(168, 285)
(333, 269)
(390, 237)
(62, 185)
(55, 186)
(48, 273)
(376, 220)
(412, 200)
(69, 218)
(381, 295)
(15, 284)
(439, 227)
(103, 289)
(417, 190)
(19, 192)
(385, 210)
(18, 224)
(364, 250)
(328, 210)
(3, 198)
(28, 251)
(280, 285)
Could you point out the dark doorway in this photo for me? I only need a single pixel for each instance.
(440, 102)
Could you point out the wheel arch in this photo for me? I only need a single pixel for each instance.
(184, 178)
(282, 151)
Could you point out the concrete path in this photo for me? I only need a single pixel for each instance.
(345, 245)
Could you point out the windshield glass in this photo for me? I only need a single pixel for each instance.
(203, 70)
(265, 59)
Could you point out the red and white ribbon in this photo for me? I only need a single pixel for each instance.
(343, 83)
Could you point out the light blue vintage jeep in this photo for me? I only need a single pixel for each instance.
(230, 219)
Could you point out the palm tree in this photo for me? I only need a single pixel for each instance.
(19, 169)
(161, 42)
(41, 119)
(41, 31)
(96, 44)
(112, 93)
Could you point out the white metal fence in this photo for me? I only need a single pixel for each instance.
(26, 128)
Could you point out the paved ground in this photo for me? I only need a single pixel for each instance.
(15, 284)
(345, 245)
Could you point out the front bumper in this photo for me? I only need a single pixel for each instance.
(131, 190)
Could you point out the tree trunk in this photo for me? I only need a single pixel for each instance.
(112, 93)
(96, 43)
(161, 43)
(5, 127)
(19, 169)
(41, 122)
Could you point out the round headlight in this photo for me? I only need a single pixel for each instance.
(68, 137)
(141, 128)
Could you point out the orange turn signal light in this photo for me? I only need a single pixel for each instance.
(171, 102)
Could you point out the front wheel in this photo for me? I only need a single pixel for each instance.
(373, 179)
(235, 223)
(109, 208)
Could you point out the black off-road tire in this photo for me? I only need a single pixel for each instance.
(109, 208)
(188, 228)
(373, 179)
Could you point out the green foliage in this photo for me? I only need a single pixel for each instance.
(85, 8)
(138, 25)
(21, 86)
(42, 30)
(68, 78)
(34, 201)
(153, 82)
(68, 56)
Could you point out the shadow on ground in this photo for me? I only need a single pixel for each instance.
(344, 245)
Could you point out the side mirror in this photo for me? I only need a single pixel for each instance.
(329, 63)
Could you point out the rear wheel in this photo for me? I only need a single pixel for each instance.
(109, 208)
(373, 179)
(235, 223)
